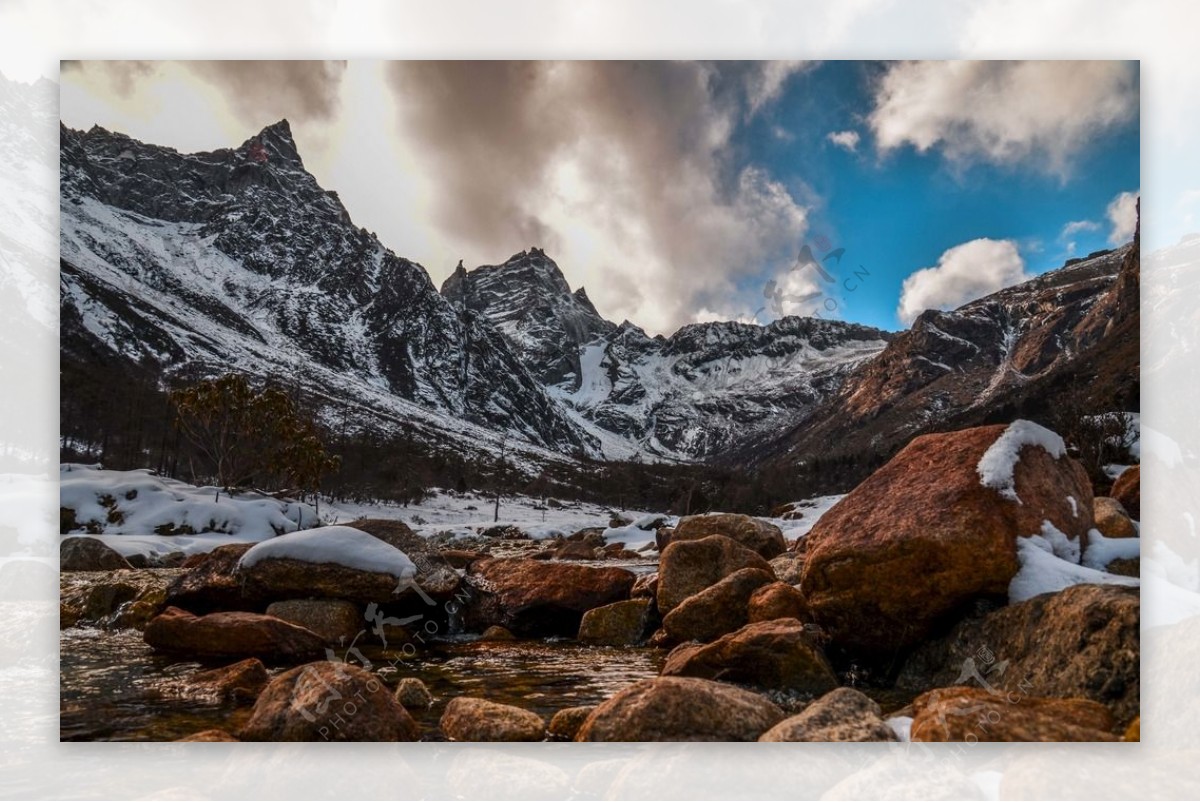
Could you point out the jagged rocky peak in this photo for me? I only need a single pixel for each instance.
(276, 142)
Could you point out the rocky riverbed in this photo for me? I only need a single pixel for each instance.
(974, 588)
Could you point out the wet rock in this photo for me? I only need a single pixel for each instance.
(922, 538)
(645, 586)
(435, 573)
(470, 719)
(327, 701)
(116, 600)
(208, 736)
(239, 682)
(565, 724)
(754, 533)
(979, 714)
(336, 621)
(622, 623)
(777, 600)
(212, 583)
(413, 694)
(540, 598)
(230, 634)
(777, 655)
(788, 567)
(1128, 490)
(716, 610)
(689, 566)
(83, 553)
(842, 715)
(680, 709)
(497, 633)
(1080, 642)
(1112, 519)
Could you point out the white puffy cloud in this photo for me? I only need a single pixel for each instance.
(765, 82)
(1002, 112)
(1122, 215)
(963, 273)
(1075, 226)
(845, 139)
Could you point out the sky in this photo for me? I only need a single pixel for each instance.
(679, 192)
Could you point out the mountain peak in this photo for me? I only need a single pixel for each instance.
(274, 142)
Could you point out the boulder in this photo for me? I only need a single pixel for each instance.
(775, 655)
(718, 609)
(230, 635)
(689, 566)
(842, 715)
(1080, 642)
(113, 599)
(327, 701)
(413, 694)
(575, 550)
(208, 736)
(622, 623)
(334, 620)
(460, 558)
(662, 537)
(680, 709)
(979, 714)
(470, 719)
(540, 598)
(777, 600)
(923, 538)
(645, 586)
(435, 573)
(1128, 490)
(753, 533)
(788, 567)
(83, 553)
(239, 682)
(211, 582)
(1111, 518)
(565, 724)
(497, 633)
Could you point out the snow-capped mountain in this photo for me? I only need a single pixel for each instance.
(1020, 349)
(238, 260)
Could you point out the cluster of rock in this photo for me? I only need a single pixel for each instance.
(904, 582)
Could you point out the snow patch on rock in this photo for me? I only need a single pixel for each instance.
(997, 464)
(340, 545)
(1043, 571)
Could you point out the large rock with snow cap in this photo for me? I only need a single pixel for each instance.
(753, 533)
(435, 575)
(333, 562)
(533, 597)
(936, 529)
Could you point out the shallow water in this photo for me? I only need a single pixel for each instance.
(114, 687)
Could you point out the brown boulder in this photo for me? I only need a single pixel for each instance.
(662, 537)
(208, 736)
(328, 701)
(977, 714)
(230, 635)
(645, 586)
(334, 620)
(542, 598)
(470, 719)
(622, 623)
(575, 550)
(788, 567)
(461, 558)
(689, 566)
(718, 609)
(753, 533)
(212, 583)
(777, 655)
(1128, 490)
(1111, 518)
(413, 694)
(842, 715)
(1080, 642)
(565, 724)
(239, 682)
(497, 633)
(777, 600)
(283, 577)
(923, 538)
(84, 553)
(680, 709)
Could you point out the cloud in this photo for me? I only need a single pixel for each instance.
(844, 139)
(1123, 217)
(765, 81)
(1075, 226)
(621, 170)
(1040, 112)
(963, 273)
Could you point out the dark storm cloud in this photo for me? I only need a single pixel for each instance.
(640, 147)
